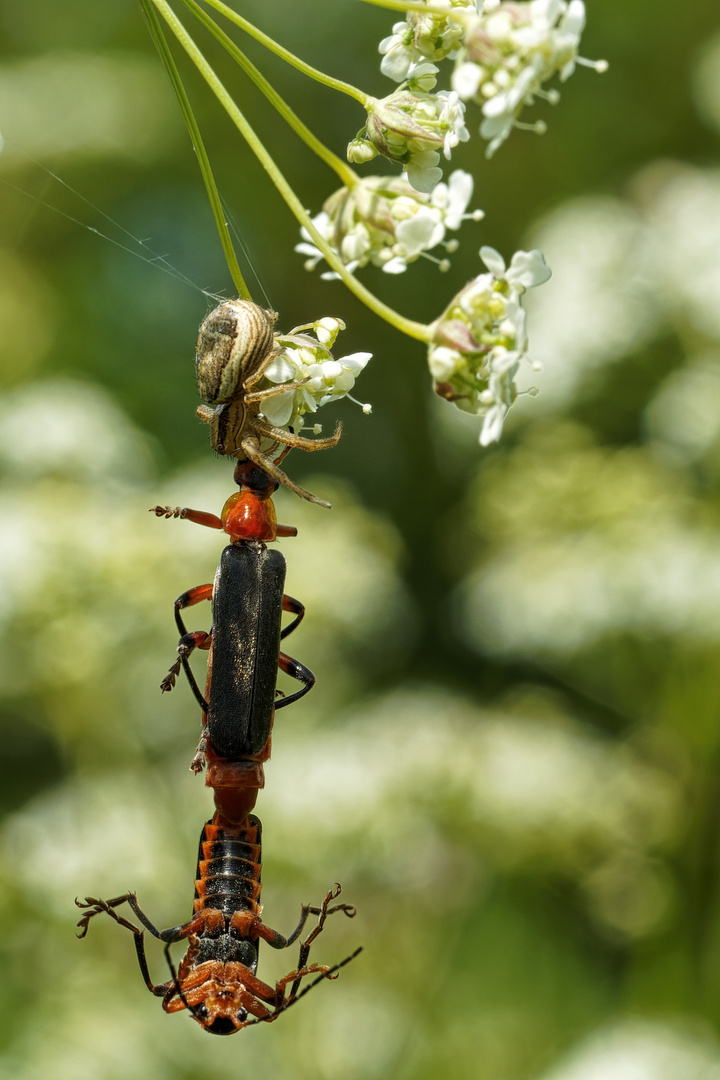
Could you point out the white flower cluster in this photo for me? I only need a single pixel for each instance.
(481, 338)
(307, 360)
(423, 37)
(509, 51)
(382, 220)
(410, 126)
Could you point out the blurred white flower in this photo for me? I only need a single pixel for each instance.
(605, 300)
(509, 51)
(624, 272)
(71, 428)
(641, 1050)
(596, 544)
(529, 784)
(480, 339)
(684, 415)
(386, 222)
(682, 209)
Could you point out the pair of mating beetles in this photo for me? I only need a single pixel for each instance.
(216, 981)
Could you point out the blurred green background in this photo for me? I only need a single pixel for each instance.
(511, 757)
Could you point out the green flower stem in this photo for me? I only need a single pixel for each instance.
(408, 5)
(199, 147)
(286, 55)
(407, 326)
(345, 174)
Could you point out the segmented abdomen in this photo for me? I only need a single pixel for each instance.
(229, 867)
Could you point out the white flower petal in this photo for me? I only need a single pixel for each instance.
(395, 266)
(396, 63)
(493, 424)
(356, 361)
(443, 362)
(280, 370)
(343, 383)
(422, 178)
(466, 79)
(527, 269)
(415, 234)
(278, 410)
(493, 260)
(331, 369)
(574, 19)
(460, 189)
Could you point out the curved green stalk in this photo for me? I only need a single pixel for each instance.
(407, 326)
(409, 5)
(346, 175)
(287, 56)
(199, 147)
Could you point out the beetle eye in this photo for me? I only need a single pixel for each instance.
(242, 1016)
(202, 1011)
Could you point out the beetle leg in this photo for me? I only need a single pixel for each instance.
(96, 907)
(277, 941)
(326, 973)
(196, 640)
(289, 603)
(196, 765)
(188, 599)
(298, 671)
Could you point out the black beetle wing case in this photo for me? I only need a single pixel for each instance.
(247, 616)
